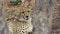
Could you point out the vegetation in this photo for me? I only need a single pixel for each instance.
(15, 2)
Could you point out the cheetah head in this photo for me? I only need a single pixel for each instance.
(25, 15)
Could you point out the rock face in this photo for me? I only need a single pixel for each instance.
(56, 20)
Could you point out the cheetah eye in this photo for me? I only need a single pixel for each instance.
(22, 31)
(28, 11)
(22, 12)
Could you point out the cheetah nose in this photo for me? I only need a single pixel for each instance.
(27, 16)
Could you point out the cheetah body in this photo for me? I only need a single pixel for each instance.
(18, 17)
(20, 27)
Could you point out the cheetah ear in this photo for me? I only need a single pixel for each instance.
(23, 0)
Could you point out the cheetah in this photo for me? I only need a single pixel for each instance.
(20, 24)
(18, 17)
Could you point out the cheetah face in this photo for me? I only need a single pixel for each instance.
(25, 16)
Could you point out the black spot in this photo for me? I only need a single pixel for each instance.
(22, 32)
(23, 29)
(29, 32)
(33, 29)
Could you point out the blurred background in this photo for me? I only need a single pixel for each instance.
(51, 6)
